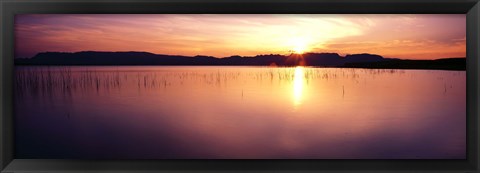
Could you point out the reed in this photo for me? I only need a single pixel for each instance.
(65, 80)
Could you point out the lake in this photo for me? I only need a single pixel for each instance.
(220, 112)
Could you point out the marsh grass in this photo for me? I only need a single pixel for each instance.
(65, 80)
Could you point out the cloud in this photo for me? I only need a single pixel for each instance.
(242, 34)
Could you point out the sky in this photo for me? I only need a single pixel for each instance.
(406, 36)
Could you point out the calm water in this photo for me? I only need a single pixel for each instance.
(239, 112)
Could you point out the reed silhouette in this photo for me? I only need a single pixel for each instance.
(63, 80)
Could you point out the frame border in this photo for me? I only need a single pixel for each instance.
(8, 9)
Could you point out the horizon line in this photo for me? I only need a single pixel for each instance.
(230, 55)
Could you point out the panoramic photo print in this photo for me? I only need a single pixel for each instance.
(240, 86)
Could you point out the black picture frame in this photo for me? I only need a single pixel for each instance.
(9, 8)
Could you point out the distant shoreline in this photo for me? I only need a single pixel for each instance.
(319, 60)
(379, 68)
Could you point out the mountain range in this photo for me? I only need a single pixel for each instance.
(309, 59)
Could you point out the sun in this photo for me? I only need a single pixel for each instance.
(299, 45)
(299, 49)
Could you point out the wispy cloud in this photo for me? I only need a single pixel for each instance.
(404, 36)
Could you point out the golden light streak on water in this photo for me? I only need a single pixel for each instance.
(298, 85)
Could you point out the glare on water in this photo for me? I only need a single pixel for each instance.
(298, 82)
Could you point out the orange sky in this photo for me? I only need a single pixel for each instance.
(396, 36)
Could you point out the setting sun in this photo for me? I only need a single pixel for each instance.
(299, 45)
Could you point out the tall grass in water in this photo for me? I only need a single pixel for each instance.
(61, 80)
(66, 80)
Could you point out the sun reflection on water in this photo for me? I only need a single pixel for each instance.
(298, 85)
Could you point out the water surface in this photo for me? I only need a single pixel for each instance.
(181, 112)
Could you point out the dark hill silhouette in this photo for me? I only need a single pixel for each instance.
(444, 64)
(145, 58)
(310, 59)
(355, 58)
